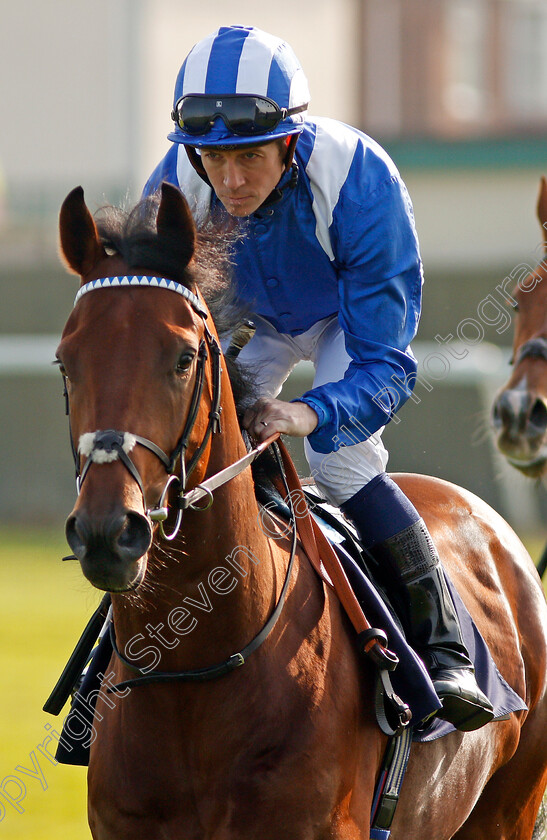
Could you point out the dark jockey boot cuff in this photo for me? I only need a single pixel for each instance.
(380, 510)
(409, 554)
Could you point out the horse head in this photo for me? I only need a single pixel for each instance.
(520, 409)
(130, 355)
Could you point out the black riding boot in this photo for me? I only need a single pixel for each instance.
(409, 558)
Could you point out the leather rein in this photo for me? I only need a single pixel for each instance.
(107, 445)
(236, 660)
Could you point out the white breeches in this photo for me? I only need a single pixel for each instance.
(272, 355)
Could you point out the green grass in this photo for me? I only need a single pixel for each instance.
(44, 605)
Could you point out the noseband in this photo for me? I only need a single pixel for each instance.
(105, 446)
(535, 348)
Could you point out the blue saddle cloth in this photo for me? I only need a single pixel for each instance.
(410, 679)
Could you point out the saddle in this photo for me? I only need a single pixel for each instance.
(409, 679)
(338, 530)
(333, 549)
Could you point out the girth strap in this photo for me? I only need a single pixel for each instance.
(388, 786)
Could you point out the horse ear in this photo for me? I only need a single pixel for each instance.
(175, 223)
(542, 208)
(80, 243)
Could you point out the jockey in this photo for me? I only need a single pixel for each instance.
(328, 262)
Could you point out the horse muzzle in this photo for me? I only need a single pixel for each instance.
(112, 550)
(520, 420)
(110, 540)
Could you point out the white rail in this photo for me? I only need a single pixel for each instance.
(33, 354)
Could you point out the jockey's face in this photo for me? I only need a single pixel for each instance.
(243, 177)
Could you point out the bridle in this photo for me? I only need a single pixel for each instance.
(534, 348)
(107, 445)
(112, 444)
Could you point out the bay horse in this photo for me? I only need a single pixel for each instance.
(519, 412)
(286, 745)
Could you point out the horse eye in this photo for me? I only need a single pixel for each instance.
(184, 361)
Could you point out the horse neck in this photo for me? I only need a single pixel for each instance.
(233, 520)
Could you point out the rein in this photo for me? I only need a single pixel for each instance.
(236, 660)
(105, 446)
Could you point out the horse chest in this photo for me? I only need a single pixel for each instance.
(224, 785)
(230, 753)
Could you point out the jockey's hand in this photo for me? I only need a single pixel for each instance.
(268, 416)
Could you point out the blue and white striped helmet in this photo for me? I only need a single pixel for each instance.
(242, 60)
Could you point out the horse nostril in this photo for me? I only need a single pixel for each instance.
(496, 415)
(126, 537)
(538, 416)
(76, 536)
(519, 413)
(135, 537)
(503, 411)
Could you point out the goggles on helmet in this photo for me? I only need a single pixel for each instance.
(242, 114)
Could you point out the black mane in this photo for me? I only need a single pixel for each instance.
(133, 235)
